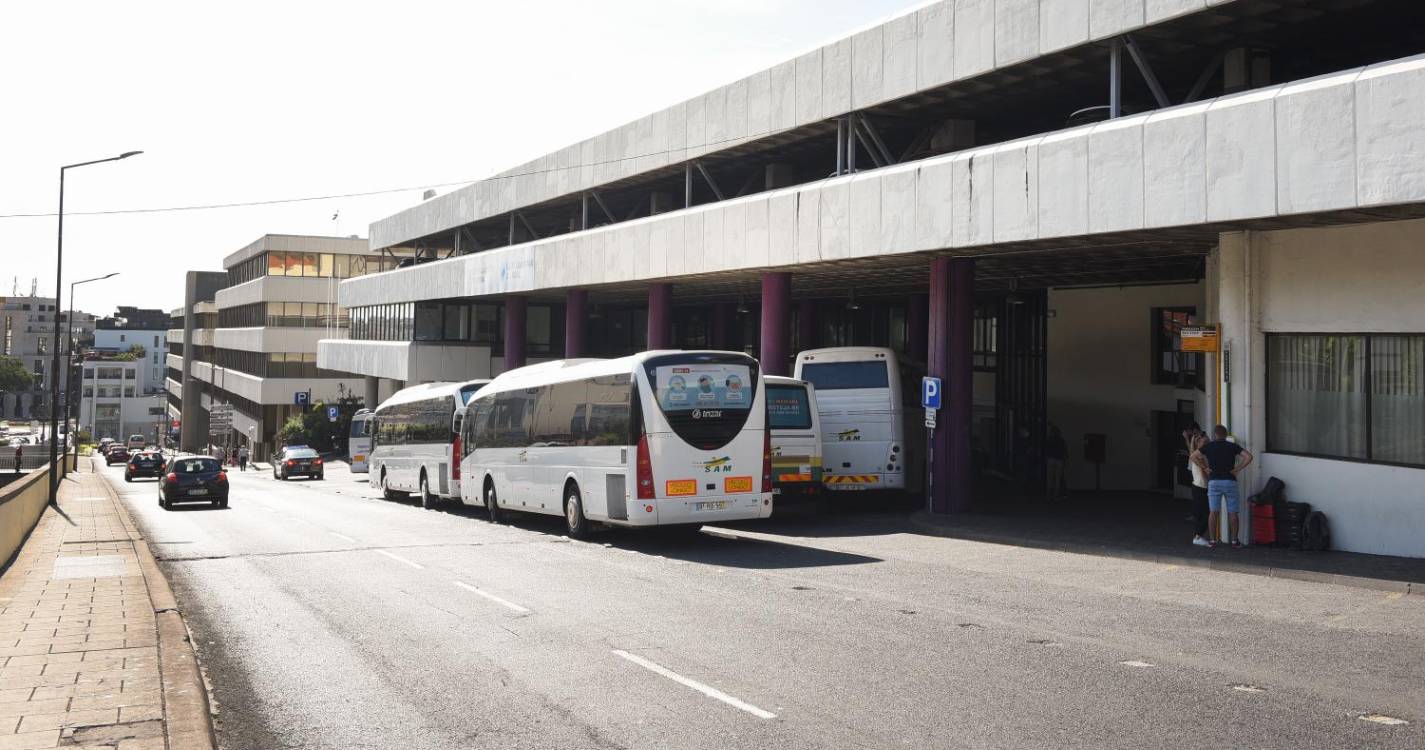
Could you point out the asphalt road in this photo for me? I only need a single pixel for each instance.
(328, 618)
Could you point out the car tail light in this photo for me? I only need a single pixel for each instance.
(766, 460)
(172, 478)
(222, 477)
(456, 455)
(290, 462)
(644, 470)
(317, 461)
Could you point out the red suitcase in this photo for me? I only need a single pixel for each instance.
(1264, 524)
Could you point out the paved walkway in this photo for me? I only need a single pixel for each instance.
(88, 656)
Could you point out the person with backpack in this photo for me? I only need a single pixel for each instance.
(1220, 458)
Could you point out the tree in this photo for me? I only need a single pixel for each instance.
(13, 376)
(313, 428)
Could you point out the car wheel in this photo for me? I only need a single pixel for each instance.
(165, 502)
(574, 521)
(429, 501)
(128, 477)
(492, 504)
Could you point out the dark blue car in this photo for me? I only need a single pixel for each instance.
(194, 479)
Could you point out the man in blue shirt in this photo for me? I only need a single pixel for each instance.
(1220, 459)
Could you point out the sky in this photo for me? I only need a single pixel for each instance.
(262, 101)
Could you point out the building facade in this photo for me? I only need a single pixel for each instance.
(27, 333)
(1030, 199)
(249, 338)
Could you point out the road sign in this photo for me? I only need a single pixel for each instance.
(930, 393)
(331, 413)
(1199, 339)
(301, 398)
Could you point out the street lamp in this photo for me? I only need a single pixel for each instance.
(69, 416)
(54, 362)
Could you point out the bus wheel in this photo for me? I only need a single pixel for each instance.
(574, 520)
(428, 500)
(492, 503)
(386, 490)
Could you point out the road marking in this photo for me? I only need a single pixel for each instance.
(400, 559)
(1382, 719)
(343, 537)
(492, 597)
(710, 692)
(1248, 689)
(1137, 664)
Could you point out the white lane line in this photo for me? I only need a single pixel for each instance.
(342, 537)
(1389, 721)
(492, 597)
(400, 559)
(710, 692)
(1137, 664)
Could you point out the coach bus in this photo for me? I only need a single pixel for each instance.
(358, 443)
(415, 442)
(654, 439)
(859, 400)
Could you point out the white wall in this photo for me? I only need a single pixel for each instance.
(1359, 278)
(1100, 381)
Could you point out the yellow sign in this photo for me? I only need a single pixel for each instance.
(737, 484)
(677, 487)
(1199, 339)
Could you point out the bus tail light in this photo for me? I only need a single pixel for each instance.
(456, 455)
(767, 460)
(644, 470)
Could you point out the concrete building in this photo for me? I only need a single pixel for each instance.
(1028, 198)
(250, 332)
(27, 333)
(122, 385)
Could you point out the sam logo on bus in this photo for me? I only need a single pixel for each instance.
(719, 465)
(851, 434)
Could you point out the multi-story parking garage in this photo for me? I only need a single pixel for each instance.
(1028, 198)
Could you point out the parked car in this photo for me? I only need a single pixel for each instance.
(145, 464)
(118, 454)
(193, 478)
(297, 461)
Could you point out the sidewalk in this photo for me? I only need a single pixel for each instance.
(93, 652)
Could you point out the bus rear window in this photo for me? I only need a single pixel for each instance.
(835, 376)
(787, 408)
(706, 398)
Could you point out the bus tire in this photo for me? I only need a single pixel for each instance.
(428, 501)
(386, 490)
(574, 521)
(492, 503)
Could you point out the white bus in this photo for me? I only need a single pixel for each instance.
(653, 439)
(415, 442)
(358, 443)
(796, 438)
(859, 400)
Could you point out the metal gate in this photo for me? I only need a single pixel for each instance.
(1021, 384)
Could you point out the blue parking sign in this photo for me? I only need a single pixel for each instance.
(331, 413)
(300, 398)
(930, 392)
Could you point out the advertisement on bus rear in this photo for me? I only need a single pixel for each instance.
(704, 388)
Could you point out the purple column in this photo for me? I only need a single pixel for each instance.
(806, 324)
(515, 331)
(660, 316)
(917, 332)
(949, 357)
(576, 303)
(722, 317)
(776, 328)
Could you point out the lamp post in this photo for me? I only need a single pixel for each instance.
(69, 416)
(54, 362)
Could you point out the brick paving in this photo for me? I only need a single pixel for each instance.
(79, 663)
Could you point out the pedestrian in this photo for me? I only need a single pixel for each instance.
(1056, 452)
(19, 454)
(1202, 533)
(1220, 458)
(242, 458)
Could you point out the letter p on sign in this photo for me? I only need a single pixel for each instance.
(930, 392)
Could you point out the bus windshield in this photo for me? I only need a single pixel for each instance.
(833, 376)
(787, 408)
(360, 426)
(705, 397)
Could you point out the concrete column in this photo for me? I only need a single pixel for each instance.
(373, 392)
(807, 324)
(949, 357)
(917, 321)
(776, 321)
(515, 331)
(723, 314)
(660, 316)
(576, 304)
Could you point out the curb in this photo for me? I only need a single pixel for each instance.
(922, 524)
(187, 720)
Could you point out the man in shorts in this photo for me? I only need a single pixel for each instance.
(1220, 458)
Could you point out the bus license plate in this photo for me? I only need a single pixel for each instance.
(196, 493)
(737, 484)
(715, 505)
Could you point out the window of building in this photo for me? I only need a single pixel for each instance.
(88, 391)
(121, 338)
(1171, 366)
(89, 373)
(43, 343)
(1347, 396)
(130, 374)
(128, 391)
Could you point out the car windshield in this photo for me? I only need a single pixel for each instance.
(196, 466)
(301, 453)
